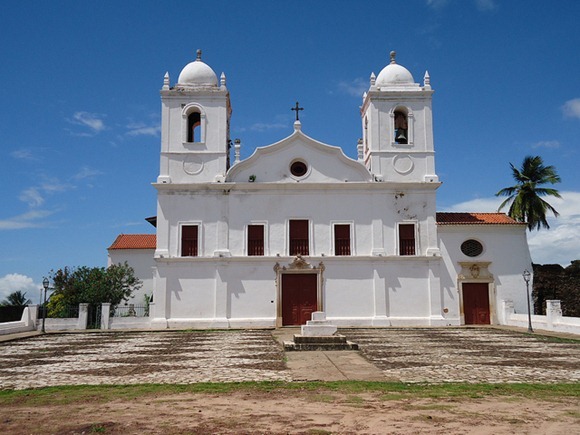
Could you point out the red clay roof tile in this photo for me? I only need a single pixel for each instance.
(444, 218)
(135, 241)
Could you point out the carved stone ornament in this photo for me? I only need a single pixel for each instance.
(299, 263)
(475, 270)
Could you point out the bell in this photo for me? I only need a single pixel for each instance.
(400, 136)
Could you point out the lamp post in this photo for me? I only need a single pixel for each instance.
(527, 276)
(45, 285)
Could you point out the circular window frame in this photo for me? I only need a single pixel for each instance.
(301, 163)
(475, 250)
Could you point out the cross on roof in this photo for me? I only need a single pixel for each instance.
(297, 108)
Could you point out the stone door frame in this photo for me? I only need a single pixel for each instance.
(298, 266)
(477, 272)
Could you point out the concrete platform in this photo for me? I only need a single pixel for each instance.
(327, 365)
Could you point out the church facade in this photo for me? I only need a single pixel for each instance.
(300, 227)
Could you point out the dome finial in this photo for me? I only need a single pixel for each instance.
(393, 55)
(198, 54)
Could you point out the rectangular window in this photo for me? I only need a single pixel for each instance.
(299, 237)
(406, 239)
(255, 239)
(189, 240)
(341, 239)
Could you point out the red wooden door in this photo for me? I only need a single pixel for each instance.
(476, 304)
(299, 298)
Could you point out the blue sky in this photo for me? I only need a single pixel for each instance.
(80, 113)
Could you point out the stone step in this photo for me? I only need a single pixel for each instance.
(321, 339)
(292, 346)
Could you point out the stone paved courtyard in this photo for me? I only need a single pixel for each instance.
(406, 354)
(467, 355)
(141, 357)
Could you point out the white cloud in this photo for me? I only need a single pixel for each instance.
(35, 197)
(481, 5)
(485, 5)
(31, 219)
(32, 197)
(23, 154)
(482, 205)
(54, 185)
(91, 120)
(16, 282)
(559, 244)
(547, 144)
(86, 172)
(140, 129)
(263, 126)
(355, 88)
(571, 108)
(437, 4)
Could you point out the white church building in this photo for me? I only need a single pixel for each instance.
(300, 227)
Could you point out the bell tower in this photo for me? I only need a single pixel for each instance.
(398, 127)
(195, 126)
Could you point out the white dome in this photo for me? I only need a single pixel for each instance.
(394, 74)
(197, 73)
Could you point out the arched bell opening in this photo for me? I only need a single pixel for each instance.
(401, 126)
(193, 127)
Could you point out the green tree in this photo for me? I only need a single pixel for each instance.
(525, 197)
(16, 298)
(93, 285)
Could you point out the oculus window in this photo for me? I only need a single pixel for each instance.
(472, 248)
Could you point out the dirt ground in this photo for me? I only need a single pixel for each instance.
(297, 412)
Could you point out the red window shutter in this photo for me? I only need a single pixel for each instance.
(189, 240)
(299, 237)
(255, 239)
(342, 239)
(407, 239)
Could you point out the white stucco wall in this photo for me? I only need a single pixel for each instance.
(505, 247)
(141, 260)
(374, 215)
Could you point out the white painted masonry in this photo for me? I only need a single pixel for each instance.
(404, 264)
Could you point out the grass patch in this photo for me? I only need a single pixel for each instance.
(393, 396)
(550, 339)
(321, 397)
(64, 395)
(575, 414)
(355, 400)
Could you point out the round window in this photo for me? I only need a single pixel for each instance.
(471, 248)
(298, 169)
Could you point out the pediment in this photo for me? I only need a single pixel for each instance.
(272, 163)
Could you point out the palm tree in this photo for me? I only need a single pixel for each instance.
(525, 197)
(16, 298)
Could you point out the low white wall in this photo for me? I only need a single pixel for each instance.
(26, 323)
(73, 323)
(129, 323)
(59, 324)
(552, 321)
